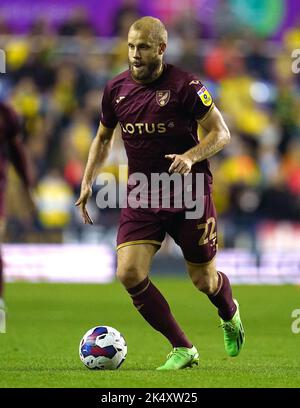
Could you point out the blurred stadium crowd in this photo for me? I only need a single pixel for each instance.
(55, 80)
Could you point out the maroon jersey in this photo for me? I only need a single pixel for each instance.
(158, 118)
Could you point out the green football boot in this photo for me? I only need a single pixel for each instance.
(234, 335)
(181, 357)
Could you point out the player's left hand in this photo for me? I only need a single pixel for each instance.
(181, 163)
(85, 193)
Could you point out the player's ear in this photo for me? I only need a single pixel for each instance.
(162, 48)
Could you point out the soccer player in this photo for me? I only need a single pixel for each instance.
(159, 108)
(11, 150)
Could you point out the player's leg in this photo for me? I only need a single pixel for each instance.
(216, 286)
(133, 269)
(198, 241)
(2, 230)
(140, 235)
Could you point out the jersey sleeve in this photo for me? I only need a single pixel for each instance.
(196, 99)
(108, 117)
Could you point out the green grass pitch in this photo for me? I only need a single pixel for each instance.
(46, 321)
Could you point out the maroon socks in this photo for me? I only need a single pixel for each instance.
(222, 298)
(155, 310)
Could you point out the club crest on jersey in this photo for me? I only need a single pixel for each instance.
(205, 97)
(162, 97)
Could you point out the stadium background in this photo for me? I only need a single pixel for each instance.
(59, 56)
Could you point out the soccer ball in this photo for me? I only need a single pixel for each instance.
(102, 348)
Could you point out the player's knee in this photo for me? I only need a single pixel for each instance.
(206, 286)
(129, 275)
(205, 279)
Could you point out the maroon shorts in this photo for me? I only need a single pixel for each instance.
(197, 238)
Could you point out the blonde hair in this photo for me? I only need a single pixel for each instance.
(153, 26)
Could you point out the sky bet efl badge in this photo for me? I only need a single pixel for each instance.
(205, 96)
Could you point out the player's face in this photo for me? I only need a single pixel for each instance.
(144, 55)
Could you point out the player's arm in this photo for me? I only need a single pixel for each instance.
(98, 153)
(217, 136)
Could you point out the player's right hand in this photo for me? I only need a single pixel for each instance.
(86, 192)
